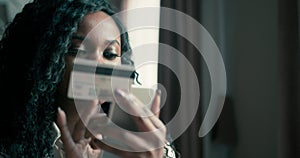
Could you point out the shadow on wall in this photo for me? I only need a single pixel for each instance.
(3, 17)
(8, 10)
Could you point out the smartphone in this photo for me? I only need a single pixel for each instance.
(121, 117)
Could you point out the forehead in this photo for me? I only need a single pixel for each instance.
(98, 25)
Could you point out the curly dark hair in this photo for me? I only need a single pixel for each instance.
(32, 51)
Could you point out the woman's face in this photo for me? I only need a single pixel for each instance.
(97, 38)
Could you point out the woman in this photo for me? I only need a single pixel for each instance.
(37, 53)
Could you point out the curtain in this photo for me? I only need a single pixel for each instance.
(189, 144)
(289, 52)
(174, 78)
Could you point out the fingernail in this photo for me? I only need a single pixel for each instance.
(119, 93)
(158, 91)
(99, 136)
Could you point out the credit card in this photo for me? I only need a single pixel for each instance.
(90, 80)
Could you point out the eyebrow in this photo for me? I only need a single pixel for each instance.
(82, 38)
(111, 42)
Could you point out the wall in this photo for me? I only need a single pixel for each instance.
(9, 8)
(247, 34)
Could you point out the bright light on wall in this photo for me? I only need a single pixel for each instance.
(140, 40)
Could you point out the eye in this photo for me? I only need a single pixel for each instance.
(110, 55)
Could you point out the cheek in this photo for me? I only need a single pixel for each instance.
(117, 61)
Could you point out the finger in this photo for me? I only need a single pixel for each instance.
(93, 153)
(131, 104)
(150, 123)
(144, 124)
(158, 124)
(95, 123)
(79, 131)
(135, 107)
(108, 148)
(155, 108)
(122, 151)
(65, 133)
(144, 145)
(122, 138)
(80, 128)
